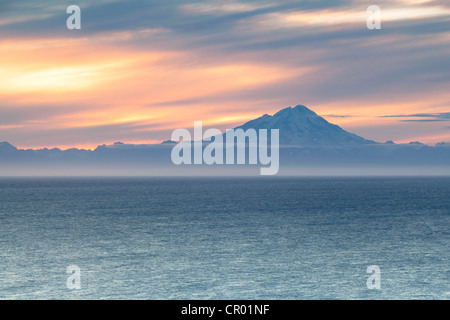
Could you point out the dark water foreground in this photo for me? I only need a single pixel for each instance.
(224, 238)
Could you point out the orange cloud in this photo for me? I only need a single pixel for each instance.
(119, 85)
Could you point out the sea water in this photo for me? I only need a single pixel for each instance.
(224, 238)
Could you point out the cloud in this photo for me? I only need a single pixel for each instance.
(176, 61)
(430, 117)
(336, 116)
(424, 120)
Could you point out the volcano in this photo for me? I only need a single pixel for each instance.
(303, 127)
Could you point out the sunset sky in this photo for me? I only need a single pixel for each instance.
(139, 69)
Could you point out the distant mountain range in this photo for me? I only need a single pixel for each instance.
(306, 141)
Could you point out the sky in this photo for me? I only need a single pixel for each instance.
(139, 69)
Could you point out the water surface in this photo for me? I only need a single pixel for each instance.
(224, 238)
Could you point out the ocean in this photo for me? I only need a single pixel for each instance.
(225, 238)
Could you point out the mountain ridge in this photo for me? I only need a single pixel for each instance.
(301, 126)
(309, 144)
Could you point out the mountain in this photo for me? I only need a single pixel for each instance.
(7, 147)
(308, 145)
(302, 127)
